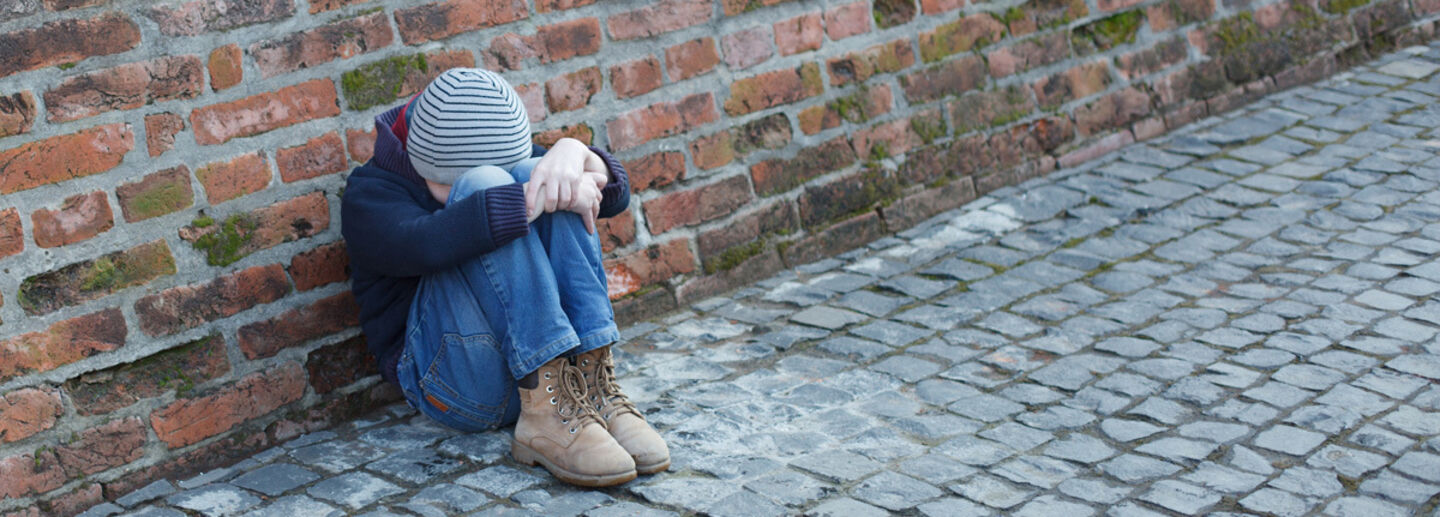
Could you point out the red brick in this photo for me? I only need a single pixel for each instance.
(659, 18)
(335, 366)
(81, 217)
(12, 236)
(616, 232)
(799, 34)
(1032, 53)
(27, 411)
(981, 110)
(156, 194)
(774, 88)
(1110, 143)
(63, 343)
(635, 77)
(746, 48)
(769, 132)
(1115, 5)
(842, 197)
(545, 6)
(533, 97)
(199, 16)
(297, 326)
(75, 501)
(65, 5)
(320, 6)
(224, 65)
(64, 157)
(976, 30)
(244, 174)
(360, 143)
(579, 132)
(915, 208)
(661, 119)
(508, 51)
(17, 113)
(1427, 6)
(778, 175)
(190, 420)
(241, 234)
(857, 107)
(178, 369)
(1153, 59)
(847, 20)
(188, 306)
(1076, 83)
(125, 87)
(895, 137)
(774, 218)
(734, 7)
(952, 77)
(104, 446)
(692, 58)
(658, 263)
(160, 131)
(323, 44)
(940, 6)
(572, 91)
(222, 452)
(697, 204)
(66, 41)
(441, 20)
(650, 171)
(218, 123)
(92, 279)
(30, 473)
(564, 40)
(741, 270)
(843, 236)
(1112, 111)
(323, 265)
(860, 66)
(324, 154)
(712, 151)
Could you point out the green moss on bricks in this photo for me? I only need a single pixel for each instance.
(810, 77)
(734, 256)
(65, 66)
(102, 275)
(1237, 32)
(225, 245)
(161, 200)
(929, 128)
(203, 221)
(1341, 6)
(1012, 15)
(1115, 30)
(379, 82)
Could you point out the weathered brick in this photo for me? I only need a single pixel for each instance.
(107, 445)
(223, 452)
(360, 143)
(27, 411)
(66, 41)
(940, 6)
(773, 88)
(320, 6)
(324, 154)
(652, 171)
(297, 326)
(63, 343)
(847, 20)
(17, 113)
(178, 369)
(799, 34)
(15, 9)
(1115, 5)
(915, 208)
(572, 91)
(187, 306)
(124, 87)
(981, 110)
(661, 119)
(652, 265)
(712, 151)
(64, 157)
(1168, 15)
(323, 265)
(12, 235)
(343, 39)
(616, 232)
(1076, 83)
(692, 58)
(218, 123)
(716, 245)
(769, 132)
(1106, 33)
(880, 59)
(635, 77)
(734, 7)
(545, 6)
(1153, 59)
(893, 13)
(30, 473)
(156, 194)
(843, 236)
(225, 67)
(976, 30)
(91, 279)
(398, 77)
(80, 217)
(564, 40)
(239, 235)
(1106, 145)
(441, 20)
(532, 95)
(952, 77)
(190, 420)
(697, 204)
(581, 132)
(509, 51)
(226, 180)
(199, 16)
(1377, 18)
(658, 18)
(76, 501)
(746, 48)
(760, 260)
(1031, 53)
(857, 107)
(844, 196)
(160, 131)
(778, 175)
(1112, 111)
(335, 366)
(893, 138)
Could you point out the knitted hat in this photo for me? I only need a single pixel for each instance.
(465, 118)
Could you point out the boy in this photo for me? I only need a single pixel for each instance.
(482, 294)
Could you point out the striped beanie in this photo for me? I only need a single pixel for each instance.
(465, 118)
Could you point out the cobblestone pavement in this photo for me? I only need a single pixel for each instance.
(1240, 317)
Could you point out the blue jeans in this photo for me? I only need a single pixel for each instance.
(475, 329)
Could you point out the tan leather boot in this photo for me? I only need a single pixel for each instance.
(560, 430)
(625, 422)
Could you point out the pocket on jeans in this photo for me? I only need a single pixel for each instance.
(467, 383)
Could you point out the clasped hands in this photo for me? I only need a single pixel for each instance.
(568, 177)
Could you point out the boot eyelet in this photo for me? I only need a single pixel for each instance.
(585, 362)
(552, 401)
(549, 389)
(564, 420)
(547, 375)
(572, 430)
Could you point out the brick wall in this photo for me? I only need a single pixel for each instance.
(173, 286)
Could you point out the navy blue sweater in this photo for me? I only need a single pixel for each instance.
(395, 232)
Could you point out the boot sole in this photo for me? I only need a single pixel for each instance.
(654, 467)
(528, 456)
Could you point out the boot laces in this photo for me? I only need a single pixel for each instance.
(570, 403)
(609, 390)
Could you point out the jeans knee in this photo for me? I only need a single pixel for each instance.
(480, 178)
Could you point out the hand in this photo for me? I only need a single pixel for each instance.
(586, 202)
(556, 177)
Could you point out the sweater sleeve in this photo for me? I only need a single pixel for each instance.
(387, 231)
(615, 197)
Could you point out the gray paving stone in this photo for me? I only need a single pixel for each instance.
(992, 492)
(276, 479)
(1180, 497)
(845, 507)
(1308, 482)
(693, 494)
(893, 491)
(156, 489)
(838, 466)
(1132, 468)
(212, 500)
(1275, 502)
(292, 506)
(952, 507)
(1223, 479)
(1289, 440)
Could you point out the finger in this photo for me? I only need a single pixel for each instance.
(566, 196)
(589, 218)
(552, 195)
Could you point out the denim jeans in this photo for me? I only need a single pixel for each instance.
(475, 329)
